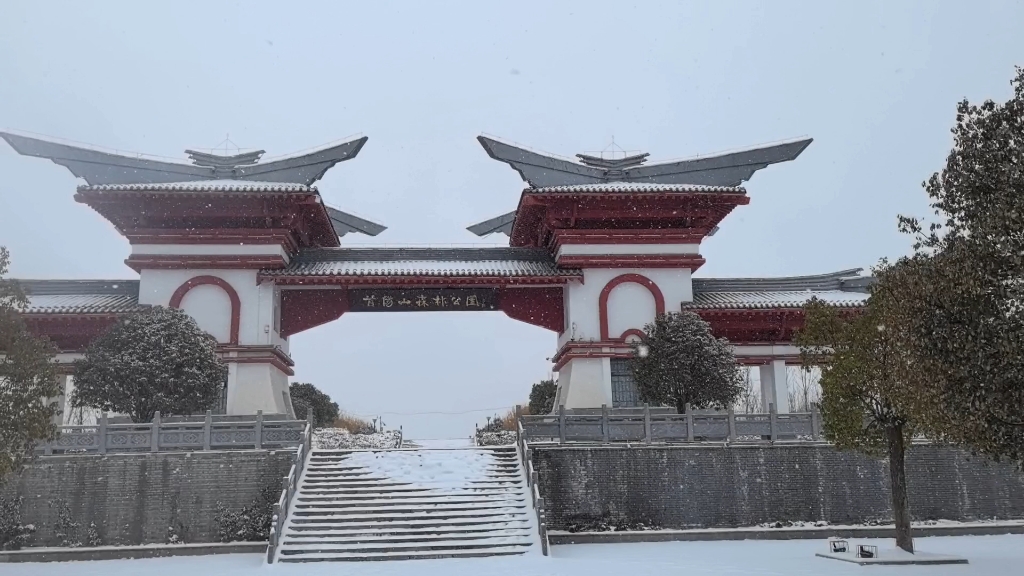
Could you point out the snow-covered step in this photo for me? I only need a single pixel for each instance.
(438, 543)
(439, 524)
(361, 500)
(401, 555)
(453, 533)
(481, 489)
(344, 519)
(408, 504)
(396, 504)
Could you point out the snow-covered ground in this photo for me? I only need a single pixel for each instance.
(502, 438)
(340, 439)
(437, 468)
(988, 556)
(439, 442)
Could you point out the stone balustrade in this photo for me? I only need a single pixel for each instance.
(647, 425)
(177, 435)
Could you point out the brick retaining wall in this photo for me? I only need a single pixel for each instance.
(715, 486)
(134, 498)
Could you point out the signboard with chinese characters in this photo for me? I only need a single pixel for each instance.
(422, 300)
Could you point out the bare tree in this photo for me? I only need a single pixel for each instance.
(804, 388)
(749, 401)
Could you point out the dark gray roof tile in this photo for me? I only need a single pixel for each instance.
(775, 299)
(81, 296)
(204, 186)
(500, 261)
(615, 187)
(846, 280)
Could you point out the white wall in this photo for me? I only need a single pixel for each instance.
(211, 249)
(253, 387)
(585, 383)
(766, 350)
(256, 321)
(582, 301)
(630, 305)
(604, 249)
(211, 307)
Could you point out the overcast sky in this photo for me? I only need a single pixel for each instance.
(874, 83)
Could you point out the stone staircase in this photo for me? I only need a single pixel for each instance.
(409, 504)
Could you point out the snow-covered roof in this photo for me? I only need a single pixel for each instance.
(503, 261)
(81, 296)
(205, 186)
(612, 187)
(846, 280)
(843, 288)
(791, 299)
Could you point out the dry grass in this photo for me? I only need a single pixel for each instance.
(508, 421)
(353, 424)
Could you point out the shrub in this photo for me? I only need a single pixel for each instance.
(250, 524)
(13, 534)
(304, 394)
(542, 397)
(155, 360)
(27, 379)
(681, 363)
(65, 528)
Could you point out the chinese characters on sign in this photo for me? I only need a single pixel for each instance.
(425, 299)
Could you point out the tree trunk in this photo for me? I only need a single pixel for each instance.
(898, 482)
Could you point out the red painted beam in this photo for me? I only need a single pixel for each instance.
(305, 309)
(538, 306)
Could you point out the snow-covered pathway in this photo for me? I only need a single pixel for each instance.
(989, 556)
(409, 504)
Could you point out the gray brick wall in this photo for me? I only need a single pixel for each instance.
(702, 486)
(134, 498)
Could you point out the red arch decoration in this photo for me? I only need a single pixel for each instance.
(602, 302)
(633, 332)
(236, 304)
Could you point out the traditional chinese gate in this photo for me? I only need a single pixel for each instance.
(597, 248)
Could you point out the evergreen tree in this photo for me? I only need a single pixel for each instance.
(157, 359)
(968, 281)
(303, 394)
(27, 379)
(542, 397)
(680, 362)
(866, 375)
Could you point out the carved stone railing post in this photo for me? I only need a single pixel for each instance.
(276, 522)
(689, 424)
(732, 424)
(647, 423)
(561, 423)
(542, 525)
(604, 423)
(815, 424)
(208, 430)
(154, 442)
(771, 421)
(259, 429)
(101, 442)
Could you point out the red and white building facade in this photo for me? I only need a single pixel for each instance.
(256, 262)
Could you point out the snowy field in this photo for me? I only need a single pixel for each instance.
(988, 555)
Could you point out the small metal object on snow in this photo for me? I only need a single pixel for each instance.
(838, 546)
(867, 551)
